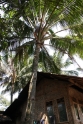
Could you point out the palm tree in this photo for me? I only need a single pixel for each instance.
(34, 21)
(9, 73)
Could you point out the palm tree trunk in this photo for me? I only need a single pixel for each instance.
(12, 85)
(12, 89)
(11, 96)
(32, 87)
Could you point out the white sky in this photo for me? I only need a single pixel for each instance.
(1, 13)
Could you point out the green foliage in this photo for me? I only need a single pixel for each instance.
(27, 23)
(20, 20)
(22, 16)
(4, 103)
(49, 64)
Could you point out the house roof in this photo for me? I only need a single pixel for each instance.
(5, 119)
(15, 110)
(74, 80)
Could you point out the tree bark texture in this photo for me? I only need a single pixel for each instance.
(32, 87)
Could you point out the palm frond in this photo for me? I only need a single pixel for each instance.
(48, 61)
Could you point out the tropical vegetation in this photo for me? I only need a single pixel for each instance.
(28, 28)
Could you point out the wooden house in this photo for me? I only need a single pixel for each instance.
(59, 96)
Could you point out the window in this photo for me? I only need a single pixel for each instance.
(76, 111)
(50, 112)
(62, 110)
